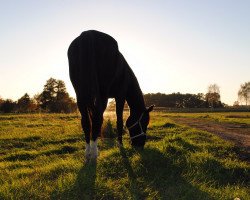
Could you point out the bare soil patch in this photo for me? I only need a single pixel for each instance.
(237, 133)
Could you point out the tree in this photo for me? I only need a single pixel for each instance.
(47, 97)
(26, 104)
(55, 97)
(214, 88)
(236, 104)
(1, 102)
(244, 92)
(8, 106)
(213, 96)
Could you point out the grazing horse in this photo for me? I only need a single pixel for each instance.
(98, 71)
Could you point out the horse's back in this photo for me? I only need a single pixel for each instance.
(93, 64)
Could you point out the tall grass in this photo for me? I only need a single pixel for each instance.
(41, 157)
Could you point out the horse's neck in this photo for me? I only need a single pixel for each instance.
(135, 97)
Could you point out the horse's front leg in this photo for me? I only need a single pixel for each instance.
(119, 122)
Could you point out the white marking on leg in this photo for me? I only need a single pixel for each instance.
(94, 149)
(87, 151)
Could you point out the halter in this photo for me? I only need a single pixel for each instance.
(137, 122)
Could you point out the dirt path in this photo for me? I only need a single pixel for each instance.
(239, 134)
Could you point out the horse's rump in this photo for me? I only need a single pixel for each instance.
(93, 66)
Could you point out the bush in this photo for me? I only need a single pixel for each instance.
(108, 130)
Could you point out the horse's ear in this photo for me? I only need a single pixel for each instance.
(150, 108)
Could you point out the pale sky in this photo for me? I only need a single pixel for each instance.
(172, 46)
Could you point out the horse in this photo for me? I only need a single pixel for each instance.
(98, 71)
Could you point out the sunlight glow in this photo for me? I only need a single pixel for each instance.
(172, 46)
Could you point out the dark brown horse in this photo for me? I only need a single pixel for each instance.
(98, 71)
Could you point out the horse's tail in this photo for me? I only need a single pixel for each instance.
(88, 73)
(83, 70)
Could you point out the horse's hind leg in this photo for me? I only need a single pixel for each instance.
(97, 120)
(86, 126)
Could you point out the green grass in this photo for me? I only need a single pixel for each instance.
(228, 117)
(41, 157)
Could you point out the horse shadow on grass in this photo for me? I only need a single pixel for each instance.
(84, 185)
(152, 175)
(85, 182)
(134, 188)
(157, 177)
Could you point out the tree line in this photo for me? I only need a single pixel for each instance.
(55, 99)
(211, 99)
(178, 100)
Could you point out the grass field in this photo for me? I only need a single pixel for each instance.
(41, 157)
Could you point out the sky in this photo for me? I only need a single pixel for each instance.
(172, 46)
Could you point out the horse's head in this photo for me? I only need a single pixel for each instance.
(137, 128)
